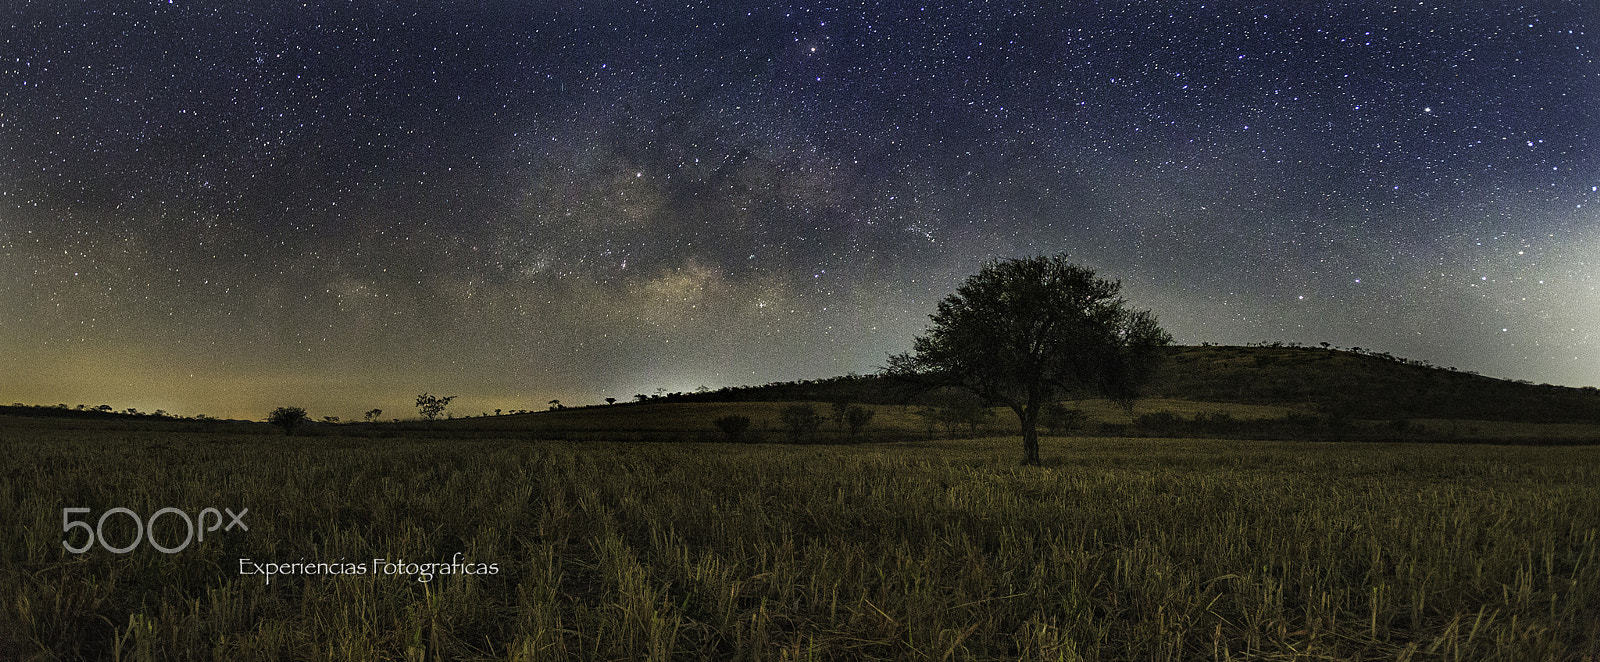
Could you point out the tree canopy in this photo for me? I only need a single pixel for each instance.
(432, 406)
(1023, 332)
(287, 418)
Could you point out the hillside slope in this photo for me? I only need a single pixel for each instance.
(1339, 382)
(1363, 385)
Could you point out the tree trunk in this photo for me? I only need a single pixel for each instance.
(1029, 417)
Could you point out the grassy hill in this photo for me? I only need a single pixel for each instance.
(1347, 383)
(1258, 392)
(1364, 385)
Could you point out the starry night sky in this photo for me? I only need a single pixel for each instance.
(220, 208)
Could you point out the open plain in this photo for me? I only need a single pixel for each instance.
(1119, 548)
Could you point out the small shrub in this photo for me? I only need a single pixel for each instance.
(1216, 423)
(954, 410)
(857, 417)
(802, 421)
(734, 427)
(1058, 418)
(1162, 421)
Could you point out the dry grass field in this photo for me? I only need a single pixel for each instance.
(1118, 549)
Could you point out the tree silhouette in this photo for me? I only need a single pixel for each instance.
(801, 420)
(1059, 418)
(1022, 332)
(857, 418)
(373, 414)
(287, 418)
(431, 406)
(952, 409)
(734, 427)
(841, 408)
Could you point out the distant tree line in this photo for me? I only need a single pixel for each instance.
(85, 411)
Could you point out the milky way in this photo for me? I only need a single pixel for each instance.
(225, 207)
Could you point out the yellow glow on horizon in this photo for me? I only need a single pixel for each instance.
(128, 377)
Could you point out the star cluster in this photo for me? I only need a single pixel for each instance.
(225, 207)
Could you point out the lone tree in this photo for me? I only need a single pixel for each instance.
(734, 427)
(858, 417)
(287, 418)
(431, 406)
(801, 420)
(1023, 332)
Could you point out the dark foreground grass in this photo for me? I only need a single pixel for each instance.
(1118, 550)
